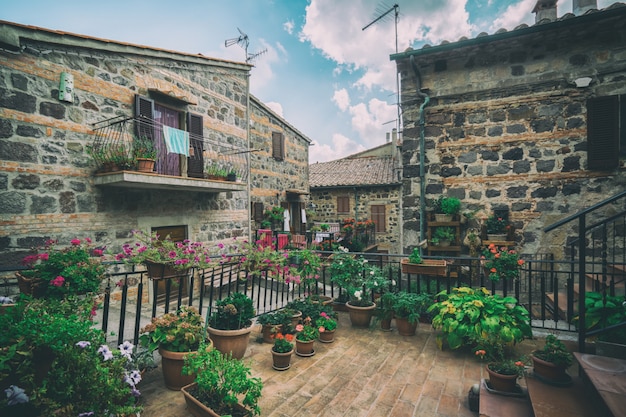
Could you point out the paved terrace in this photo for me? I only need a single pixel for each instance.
(365, 372)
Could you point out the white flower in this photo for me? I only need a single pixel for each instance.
(106, 352)
(393, 282)
(126, 349)
(358, 294)
(372, 272)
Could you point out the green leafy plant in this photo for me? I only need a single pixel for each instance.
(448, 205)
(306, 331)
(59, 272)
(308, 308)
(444, 233)
(181, 331)
(407, 305)
(232, 313)
(144, 148)
(357, 276)
(325, 323)
(501, 263)
(283, 343)
(555, 352)
(324, 227)
(503, 366)
(415, 257)
(496, 225)
(308, 269)
(150, 247)
(222, 381)
(259, 258)
(275, 214)
(603, 311)
(475, 318)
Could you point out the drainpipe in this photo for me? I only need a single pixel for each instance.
(248, 158)
(418, 80)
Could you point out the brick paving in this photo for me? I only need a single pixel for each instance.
(365, 372)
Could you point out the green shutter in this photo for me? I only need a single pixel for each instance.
(195, 164)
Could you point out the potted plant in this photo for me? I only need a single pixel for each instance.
(231, 175)
(497, 228)
(174, 335)
(415, 264)
(282, 350)
(221, 382)
(503, 372)
(601, 311)
(443, 236)
(54, 362)
(384, 310)
(550, 363)
(307, 269)
(406, 309)
(259, 259)
(163, 257)
(61, 272)
(360, 279)
(275, 215)
(501, 263)
(446, 208)
(466, 316)
(305, 337)
(326, 325)
(272, 323)
(230, 324)
(144, 153)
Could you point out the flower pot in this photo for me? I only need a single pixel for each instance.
(281, 361)
(327, 336)
(305, 347)
(360, 316)
(145, 165)
(162, 271)
(436, 267)
(444, 243)
(268, 331)
(230, 341)
(501, 382)
(385, 325)
(295, 318)
(198, 409)
(339, 306)
(549, 372)
(172, 367)
(405, 328)
(30, 286)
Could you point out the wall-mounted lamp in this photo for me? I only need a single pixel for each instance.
(583, 82)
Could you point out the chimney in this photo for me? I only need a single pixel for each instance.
(545, 9)
(581, 6)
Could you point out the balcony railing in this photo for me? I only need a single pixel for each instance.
(119, 143)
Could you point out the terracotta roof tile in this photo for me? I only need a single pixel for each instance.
(352, 171)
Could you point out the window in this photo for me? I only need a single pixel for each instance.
(343, 205)
(152, 116)
(257, 211)
(278, 146)
(379, 218)
(606, 132)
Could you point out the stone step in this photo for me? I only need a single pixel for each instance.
(494, 405)
(606, 378)
(558, 401)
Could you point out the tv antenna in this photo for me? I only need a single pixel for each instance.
(243, 41)
(382, 13)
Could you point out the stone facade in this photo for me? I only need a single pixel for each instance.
(506, 126)
(47, 186)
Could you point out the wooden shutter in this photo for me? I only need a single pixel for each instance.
(195, 165)
(144, 117)
(603, 133)
(257, 211)
(379, 218)
(343, 205)
(278, 146)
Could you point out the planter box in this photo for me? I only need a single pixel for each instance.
(427, 267)
(198, 409)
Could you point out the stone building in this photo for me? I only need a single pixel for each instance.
(70, 104)
(362, 186)
(530, 121)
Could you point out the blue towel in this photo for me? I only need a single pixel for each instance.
(176, 140)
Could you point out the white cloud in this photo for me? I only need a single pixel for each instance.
(342, 99)
(514, 15)
(341, 147)
(288, 26)
(276, 107)
(370, 121)
(263, 73)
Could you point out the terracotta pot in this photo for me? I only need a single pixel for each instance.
(295, 319)
(30, 286)
(548, 371)
(500, 382)
(162, 271)
(405, 328)
(198, 409)
(305, 347)
(281, 361)
(442, 218)
(385, 325)
(361, 316)
(145, 165)
(268, 331)
(231, 341)
(172, 367)
(327, 336)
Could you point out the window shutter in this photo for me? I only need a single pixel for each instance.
(379, 217)
(195, 165)
(343, 205)
(278, 146)
(603, 133)
(257, 211)
(144, 117)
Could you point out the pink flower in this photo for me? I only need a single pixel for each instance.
(75, 242)
(299, 328)
(58, 281)
(172, 254)
(324, 315)
(88, 239)
(322, 329)
(44, 256)
(97, 252)
(220, 245)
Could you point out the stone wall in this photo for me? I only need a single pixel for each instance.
(46, 175)
(325, 201)
(506, 127)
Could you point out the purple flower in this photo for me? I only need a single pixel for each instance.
(83, 344)
(126, 349)
(106, 352)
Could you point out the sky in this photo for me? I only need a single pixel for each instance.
(315, 66)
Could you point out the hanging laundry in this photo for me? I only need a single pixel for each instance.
(176, 140)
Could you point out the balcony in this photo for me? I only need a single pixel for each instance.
(183, 161)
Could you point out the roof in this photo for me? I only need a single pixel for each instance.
(12, 34)
(351, 172)
(568, 19)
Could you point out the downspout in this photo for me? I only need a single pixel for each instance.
(248, 157)
(418, 81)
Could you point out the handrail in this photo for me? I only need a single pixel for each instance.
(585, 211)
